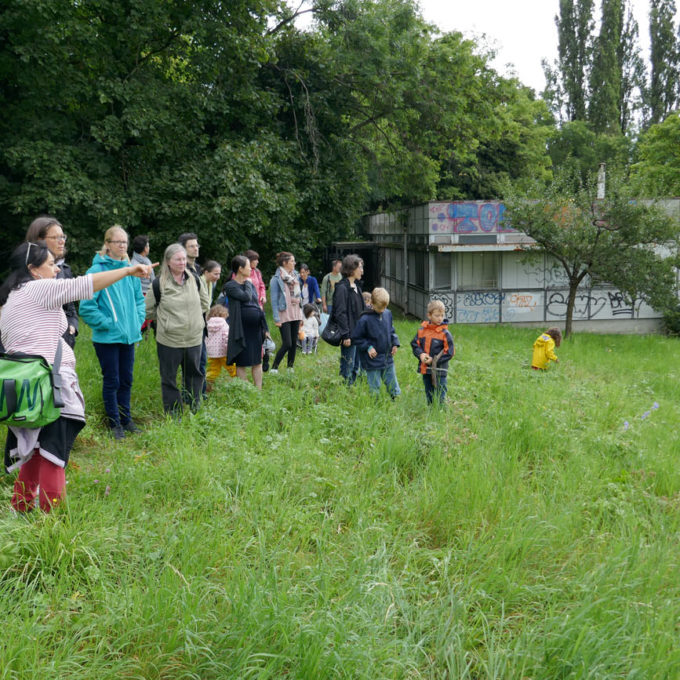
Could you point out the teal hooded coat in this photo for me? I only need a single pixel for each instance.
(115, 314)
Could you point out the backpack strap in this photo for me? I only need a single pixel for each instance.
(9, 388)
(156, 286)
(56, 379)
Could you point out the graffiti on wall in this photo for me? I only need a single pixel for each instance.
(593, 305)
(481, 307)
(527, 306)
(468, 217)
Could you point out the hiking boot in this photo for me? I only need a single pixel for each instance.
(131, 427)
(118, 432)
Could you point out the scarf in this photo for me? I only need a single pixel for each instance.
(291, 281)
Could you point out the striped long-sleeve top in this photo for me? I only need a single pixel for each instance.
(32, 320)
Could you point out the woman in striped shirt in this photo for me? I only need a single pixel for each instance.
(32, 321)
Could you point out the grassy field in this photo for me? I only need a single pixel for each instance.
(528, 530)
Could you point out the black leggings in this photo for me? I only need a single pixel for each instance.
(289, 335)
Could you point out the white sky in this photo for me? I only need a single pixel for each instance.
(521, 31)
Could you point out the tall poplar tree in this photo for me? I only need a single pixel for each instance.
(617, 78)
(575, 27)
(662, 96)
(633, 72)
(605, 75)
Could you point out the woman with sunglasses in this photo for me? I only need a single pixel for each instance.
(33, 322)
(48, 229)
(115, 316)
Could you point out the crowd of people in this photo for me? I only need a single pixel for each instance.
(122, 297)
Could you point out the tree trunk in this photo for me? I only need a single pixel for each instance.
(571, 302)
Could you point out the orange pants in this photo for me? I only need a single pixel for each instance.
(38, 472)
(215, 366)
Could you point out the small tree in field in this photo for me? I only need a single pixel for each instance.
(616, 239)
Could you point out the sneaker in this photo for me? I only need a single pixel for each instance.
(131, 427)
(118, 432)
(274, 371)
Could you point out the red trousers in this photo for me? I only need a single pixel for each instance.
(38, 472)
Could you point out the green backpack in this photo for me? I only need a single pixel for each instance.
(30, 390)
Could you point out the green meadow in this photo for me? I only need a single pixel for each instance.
(309, 531)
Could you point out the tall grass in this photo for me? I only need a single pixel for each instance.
(310, 531)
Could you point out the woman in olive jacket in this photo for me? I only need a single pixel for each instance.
(177, 303)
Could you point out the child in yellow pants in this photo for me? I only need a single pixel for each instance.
(216, 344)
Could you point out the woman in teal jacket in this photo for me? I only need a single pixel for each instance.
(115, 315)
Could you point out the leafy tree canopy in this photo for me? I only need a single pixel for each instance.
(657, 171)
(225, 119)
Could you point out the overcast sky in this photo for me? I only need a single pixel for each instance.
(522, 31)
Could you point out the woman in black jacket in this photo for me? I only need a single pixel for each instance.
(49, 229)
(348, 304)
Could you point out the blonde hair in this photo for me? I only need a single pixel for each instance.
(380, 298)
(218, 311)
(108, 236)
(436, 304)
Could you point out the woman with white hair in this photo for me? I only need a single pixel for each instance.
(177, 302)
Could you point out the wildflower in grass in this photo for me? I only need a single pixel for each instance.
(626, 425)
(646, 414)
(107, 491)
(96, 481)
(107, 470)
(655, 406)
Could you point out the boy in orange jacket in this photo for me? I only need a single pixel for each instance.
(433, 347)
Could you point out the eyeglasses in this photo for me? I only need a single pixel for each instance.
(60, 237)
(118, 243)
(28, 250)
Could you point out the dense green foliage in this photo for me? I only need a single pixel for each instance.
(227, 120)
(657, 170)
(306, 532)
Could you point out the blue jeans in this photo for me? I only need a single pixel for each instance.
(386, 375)
(349, 365)
(430, 388)
(117, 361)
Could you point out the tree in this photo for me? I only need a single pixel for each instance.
(633, 72)
(657, 170)
(574, 148)
(605, 74)
(617, 240)
(662, 96)
(570, 75)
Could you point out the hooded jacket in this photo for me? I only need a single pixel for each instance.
(218, 337)
(433, 339)
(544, 351)
(375, 330)
(115, 314)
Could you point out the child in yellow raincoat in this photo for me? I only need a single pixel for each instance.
(544, 349)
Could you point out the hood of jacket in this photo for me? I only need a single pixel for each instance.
(215, 323)
(106, 262)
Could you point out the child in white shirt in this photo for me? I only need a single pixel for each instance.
(310, 326)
